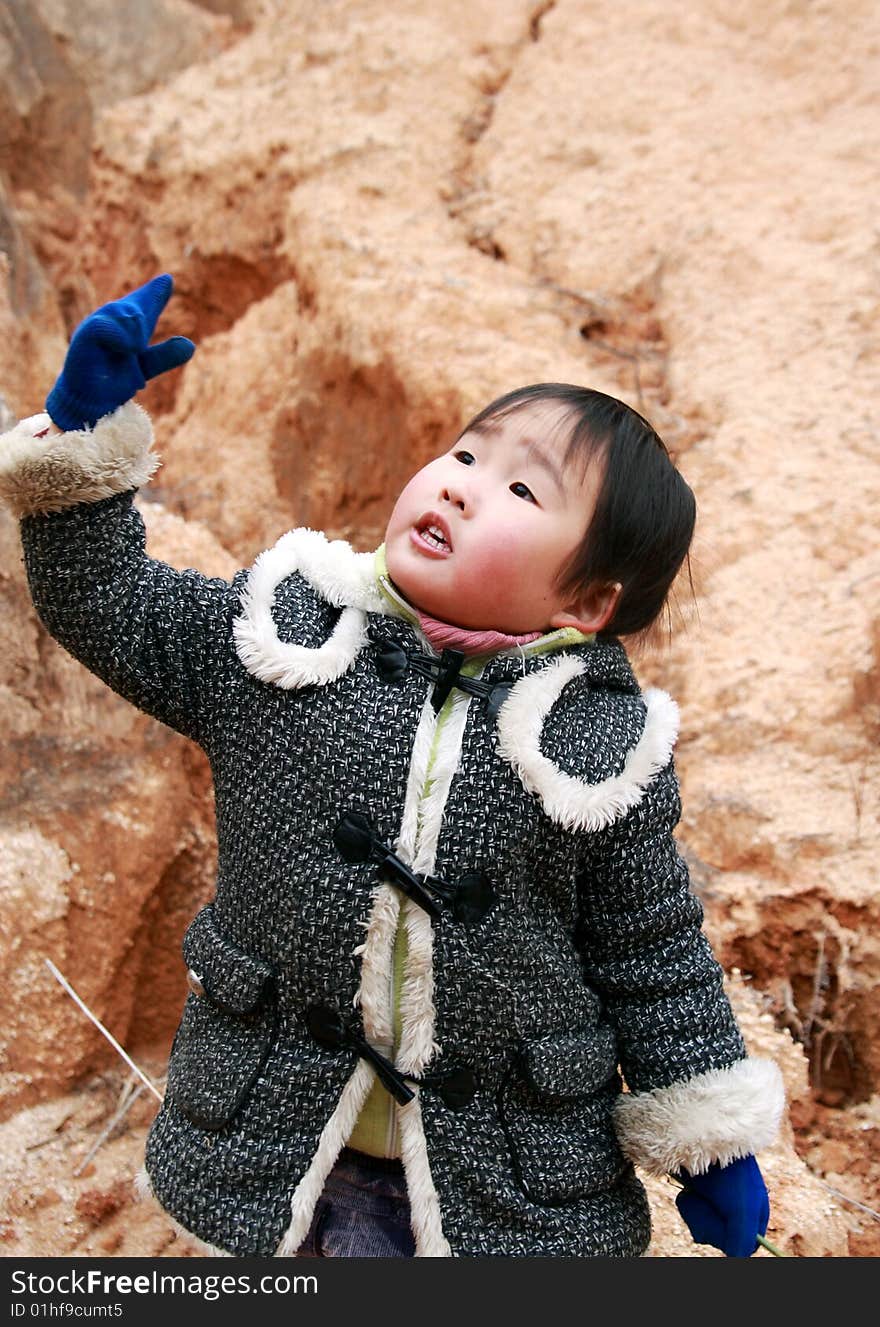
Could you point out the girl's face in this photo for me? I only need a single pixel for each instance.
(478, 535)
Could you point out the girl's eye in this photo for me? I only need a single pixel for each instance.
(466, 458)
(527, 493)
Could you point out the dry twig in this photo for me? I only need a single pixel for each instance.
(130, 1094)
(100, 1026)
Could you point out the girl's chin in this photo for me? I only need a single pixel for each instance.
(417, 578)
(444, 610)
(420, 596)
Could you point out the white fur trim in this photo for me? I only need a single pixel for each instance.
(447, 757)
(417, 1044)
(420, 831)
(374, 992)
(569, 801)
(143, 1186)
(344, 578)
(717, 1116)
(63, 469)
(335, 1132)
(408, 838)
(423, 1202)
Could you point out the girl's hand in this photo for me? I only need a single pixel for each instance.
(726, 1207)
(110, 357)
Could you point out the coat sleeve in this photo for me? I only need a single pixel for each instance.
(155, 635)
(694, 1096)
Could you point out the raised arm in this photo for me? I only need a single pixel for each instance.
(151, 633)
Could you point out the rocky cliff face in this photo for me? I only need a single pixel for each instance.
(378, 218)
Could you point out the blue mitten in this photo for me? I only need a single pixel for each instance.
(110, 357)
(727, 1207)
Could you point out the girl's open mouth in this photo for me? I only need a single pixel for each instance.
(430, 535)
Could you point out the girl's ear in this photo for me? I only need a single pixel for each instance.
(593, 610)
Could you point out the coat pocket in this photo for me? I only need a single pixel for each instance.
(226, 1029)
(555, 1107)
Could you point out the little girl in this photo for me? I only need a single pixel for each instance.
(450, 917)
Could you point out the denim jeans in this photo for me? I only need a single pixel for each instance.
(363, 1211)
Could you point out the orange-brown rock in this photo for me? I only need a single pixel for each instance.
(61, 63)
(378, 218)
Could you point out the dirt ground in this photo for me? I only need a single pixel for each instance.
(68, 1169)
(379, 218)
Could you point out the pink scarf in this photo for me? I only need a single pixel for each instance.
(443, 635)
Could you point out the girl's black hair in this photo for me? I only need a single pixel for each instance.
(643, 523)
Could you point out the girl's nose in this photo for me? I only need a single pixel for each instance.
(455, 495)
(460, 488)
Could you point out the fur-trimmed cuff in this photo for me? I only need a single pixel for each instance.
(63, 469)
(717, 1116)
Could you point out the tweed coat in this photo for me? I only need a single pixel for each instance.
(554, 947)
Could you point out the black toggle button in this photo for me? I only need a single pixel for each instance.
(393, 660)
(496, 698)
(474, 898)
(354, 837)
(356, 842)
(330, 1029)
(455, 1087)
(448, 670)
(469, 900)
(326, 1026)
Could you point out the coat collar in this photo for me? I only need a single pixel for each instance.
(340, 576)
(358, 584)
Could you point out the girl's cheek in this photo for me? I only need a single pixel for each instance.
(483, 561)
(400, 506)
(413, 499)
(491, 580)
(503, 553)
